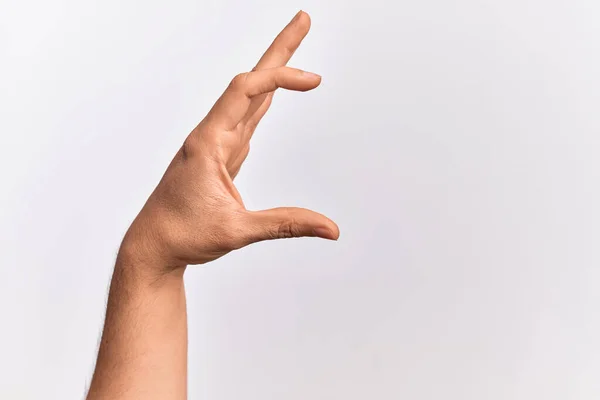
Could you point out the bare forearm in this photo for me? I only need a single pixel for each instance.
(143, 352)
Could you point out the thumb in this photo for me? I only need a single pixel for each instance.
(289, 222)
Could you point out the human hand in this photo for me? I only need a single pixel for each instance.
(195, 214)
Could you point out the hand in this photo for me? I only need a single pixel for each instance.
(196, 214)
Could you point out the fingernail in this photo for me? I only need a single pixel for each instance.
(323, 233)
(297, 16)
(310, 75)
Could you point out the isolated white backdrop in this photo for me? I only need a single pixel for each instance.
(455, 142)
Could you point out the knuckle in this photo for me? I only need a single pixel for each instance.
(288, 229)
(204, 141)
(239, 81)
(189, 147)
(287, 51)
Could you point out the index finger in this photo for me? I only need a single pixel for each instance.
(286, 43)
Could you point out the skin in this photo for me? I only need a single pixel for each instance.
(194, 216)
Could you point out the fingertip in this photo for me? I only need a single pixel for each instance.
(336, 233)
(303, 20)
(331, 232)
(306, 19)
(323, 233)
(311, 80)
(312, 76)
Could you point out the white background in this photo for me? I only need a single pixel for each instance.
(456, 144)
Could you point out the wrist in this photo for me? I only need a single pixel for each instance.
(141, 258)
(141, 276)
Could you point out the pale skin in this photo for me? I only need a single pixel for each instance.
(194, 216)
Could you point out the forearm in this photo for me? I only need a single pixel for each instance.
(143, 352)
